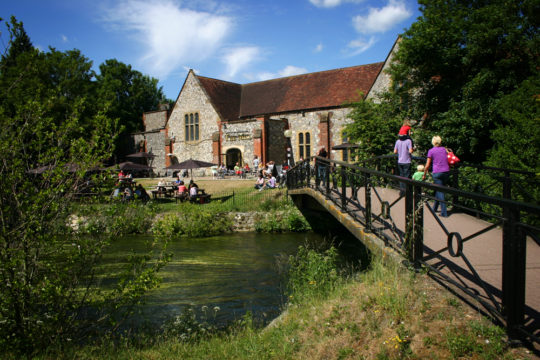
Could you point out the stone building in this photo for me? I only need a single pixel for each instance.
(153, 139)
(225, 123)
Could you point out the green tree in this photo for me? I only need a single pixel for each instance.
(47, 282)
(516, 140)
(130, 93)
(458, 60)
(20, 43)
(374, 128)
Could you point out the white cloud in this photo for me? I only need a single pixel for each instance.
(238, 58)
(64, 38)
(318, 48)
(288, 70)
(331, 3)
(291, 70)
(382, 19)
(171, 36)
(358, 46)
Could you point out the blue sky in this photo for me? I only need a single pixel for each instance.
(236, 40)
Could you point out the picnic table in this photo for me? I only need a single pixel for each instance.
(201, 198)
(166, 190)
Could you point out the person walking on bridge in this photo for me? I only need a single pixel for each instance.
(438, 157)
(403, 149)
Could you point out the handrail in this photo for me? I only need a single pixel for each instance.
(463, 164)
(340, 183)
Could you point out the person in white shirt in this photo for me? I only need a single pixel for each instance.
(271, 184)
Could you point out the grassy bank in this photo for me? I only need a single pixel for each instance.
(383, 313)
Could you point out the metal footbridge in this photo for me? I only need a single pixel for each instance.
(487, 250)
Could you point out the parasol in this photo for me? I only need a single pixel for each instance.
(190, 165)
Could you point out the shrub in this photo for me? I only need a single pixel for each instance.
(193, 221)
(312, 272)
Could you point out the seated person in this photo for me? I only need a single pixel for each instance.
(259, 184)
(267, 172)
(183, 192)
(271, 184)
(161, 186)
(193, 191)
(182, 188)
(141, 193)
(246, 168)
(237, 169)
(128, 193)
(121, 174)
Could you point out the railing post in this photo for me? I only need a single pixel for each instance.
(317, 175)
(409, 222)
(343, 188)
(327, 178)
(455, 184)
(418, 227)
(507, 185)
(513, 271)
(368, 202)
(308, 172)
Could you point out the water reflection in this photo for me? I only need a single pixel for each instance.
(236, 272)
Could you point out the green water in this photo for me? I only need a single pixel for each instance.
(236, 272)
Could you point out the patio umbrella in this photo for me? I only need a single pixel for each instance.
(190, 165)
(70, 167)
(141, 154)
(128, 165)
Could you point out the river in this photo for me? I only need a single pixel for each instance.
(235, 272)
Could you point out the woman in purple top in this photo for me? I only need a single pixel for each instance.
(438, 157)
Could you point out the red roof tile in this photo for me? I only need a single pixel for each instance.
(325, 89)
(225, 96)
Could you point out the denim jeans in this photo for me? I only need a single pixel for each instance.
(405, 171)
(440, 179)
(321, 169)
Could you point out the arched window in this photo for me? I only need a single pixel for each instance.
(191, 124)
(304, 145)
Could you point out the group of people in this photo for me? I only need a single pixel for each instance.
(189, 192)
(437, 159)
(267, 175)
(126, 189)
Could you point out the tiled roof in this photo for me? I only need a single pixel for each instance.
(325, 89)
(225, 96)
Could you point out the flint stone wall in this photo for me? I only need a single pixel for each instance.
(193, 100)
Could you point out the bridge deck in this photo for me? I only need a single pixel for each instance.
(480, 266)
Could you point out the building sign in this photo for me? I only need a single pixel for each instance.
(237, 135)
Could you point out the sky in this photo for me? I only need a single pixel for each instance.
(241, 41)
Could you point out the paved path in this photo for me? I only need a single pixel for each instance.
(483, 252)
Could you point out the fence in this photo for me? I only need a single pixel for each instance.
(454, 250)
(249, 197)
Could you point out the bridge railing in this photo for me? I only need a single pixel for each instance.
(488, 180)
(396, 209)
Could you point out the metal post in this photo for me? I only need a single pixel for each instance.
(343, 188)
(455, 184)
(409, 221)
(507, 186)
(513, 271)
(368, 202)
(327, 178)
(418, 228)
(317, 177)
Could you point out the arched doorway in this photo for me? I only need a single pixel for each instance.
(233, 156)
